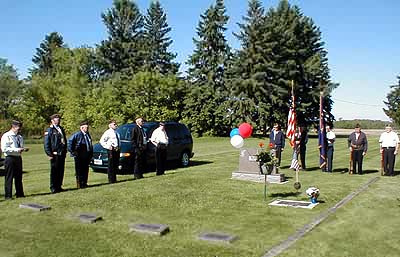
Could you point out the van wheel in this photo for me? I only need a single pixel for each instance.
(185, 159)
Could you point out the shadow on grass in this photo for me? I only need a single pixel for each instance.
(286, 194)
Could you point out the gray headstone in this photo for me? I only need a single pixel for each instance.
(155, 229)
(248, 161)
(89, 218)
(293, 203)
(217, 237)
(34, 206)
(276, 178)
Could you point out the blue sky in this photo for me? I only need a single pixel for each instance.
(361, 38)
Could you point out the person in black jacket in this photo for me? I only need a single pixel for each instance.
(139, 141)
(358, 146)
(81, 148)
(303, 140)
(277, 141)
(55, 146)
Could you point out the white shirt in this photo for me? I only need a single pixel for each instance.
(110, 138)
(331, 137)
(12, 144)
(159, 136)
(390, 139)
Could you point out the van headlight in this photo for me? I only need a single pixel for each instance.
(124, 154)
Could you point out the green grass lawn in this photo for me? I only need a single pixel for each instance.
(203, 198)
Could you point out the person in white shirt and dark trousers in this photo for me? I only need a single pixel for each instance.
(159, 138)
(389, 146)
(110, 140)
(331, 137)
(12, 145)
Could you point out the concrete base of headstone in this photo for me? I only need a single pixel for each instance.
(293, 203)
(89, 218)
(217, 237)
(34, 206)
(275, 179)
(154, 229)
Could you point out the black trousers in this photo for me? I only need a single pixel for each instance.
(82, 170)
(329, 157)
(113, 162)
(278, 153)
(13, 170)
(57, 166)
(388, 160)
(303, 149)
(161, 159)
(357, 161)
(140, 163)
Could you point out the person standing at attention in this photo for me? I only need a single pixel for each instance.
(139, 141)
(55, 147)
(159, 138)
(12, 145)
(389, 147)
(331, 137)
(110, 140)
(277, 141)
(358, 146)
(81, 148)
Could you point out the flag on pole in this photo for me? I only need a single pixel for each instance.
(322, 144)
(291, 127)
(295, 164)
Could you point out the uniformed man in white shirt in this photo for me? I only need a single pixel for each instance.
(12, 145)
(389, 147)
(331, 137)
(159, 138)
(110, 140)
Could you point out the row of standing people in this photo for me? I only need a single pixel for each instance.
(357, 144)
(80, 147)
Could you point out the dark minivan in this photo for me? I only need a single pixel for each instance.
(179, 149)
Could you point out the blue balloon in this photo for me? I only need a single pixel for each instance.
(234, 132)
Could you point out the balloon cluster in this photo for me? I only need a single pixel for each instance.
(239, 134)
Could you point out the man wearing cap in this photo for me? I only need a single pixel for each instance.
(277, 141)
(331, 137)
(12, 145)
(81, 148)
(110, 140)
(358, 146)
(55, 146)
(139, 141)
(389, 147)
(159, 138)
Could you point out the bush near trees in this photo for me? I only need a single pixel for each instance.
(132, 72)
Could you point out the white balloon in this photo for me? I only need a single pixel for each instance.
(237, 141)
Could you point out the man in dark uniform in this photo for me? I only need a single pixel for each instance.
(358, 146)
(80, 147)
(277, 141)
(55, 146)
(303, 140)
(139, 141)
(12, 145)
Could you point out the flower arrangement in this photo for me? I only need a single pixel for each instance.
(313, 193)
(266, 159)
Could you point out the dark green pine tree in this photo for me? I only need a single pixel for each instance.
(205, 110)
(122, 52)
(43, 59)
(393, 103)
(247, 77)
(156, 29)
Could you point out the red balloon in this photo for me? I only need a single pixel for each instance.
(245, 130)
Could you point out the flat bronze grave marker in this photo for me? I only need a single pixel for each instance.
(89, 218)
(154, 229)
(293, 203)
(217, 237)
(34, 206)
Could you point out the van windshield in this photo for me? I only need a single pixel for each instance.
(125, 132)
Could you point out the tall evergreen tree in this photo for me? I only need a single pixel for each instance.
(123, 50)
(43, 59)
(205, 103)
(156, 29)
(393, 103)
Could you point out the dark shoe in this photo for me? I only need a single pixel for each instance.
(20, 196)
(8, 198)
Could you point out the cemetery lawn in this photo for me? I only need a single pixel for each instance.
(203, 198)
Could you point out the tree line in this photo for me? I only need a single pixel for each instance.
(132, 73)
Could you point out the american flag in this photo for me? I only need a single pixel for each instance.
(291, 127)
(295, 164)
(322, 144)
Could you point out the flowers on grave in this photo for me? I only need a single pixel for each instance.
(266, 159)
(313, 193)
